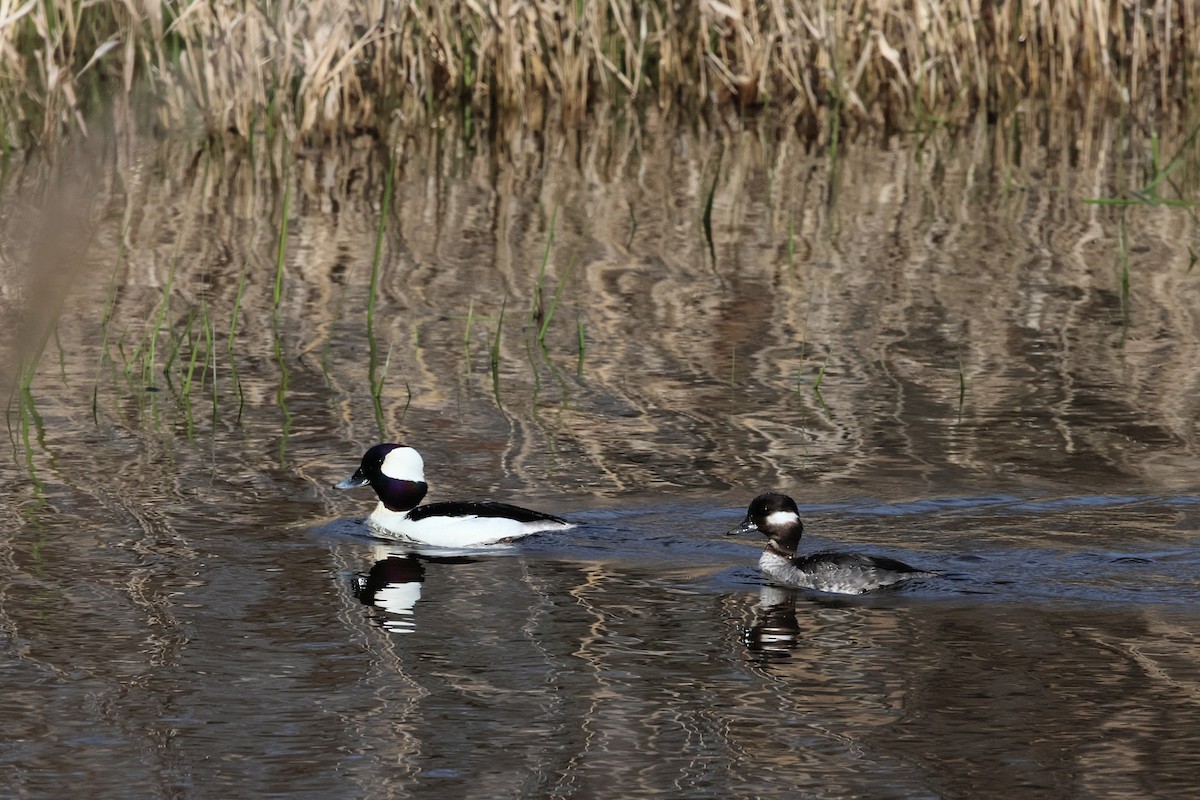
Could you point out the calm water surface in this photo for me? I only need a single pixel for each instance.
(939, 348)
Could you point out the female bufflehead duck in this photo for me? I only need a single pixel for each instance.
(397, 474)
(776, 517)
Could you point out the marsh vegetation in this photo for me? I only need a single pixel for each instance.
(326, 69)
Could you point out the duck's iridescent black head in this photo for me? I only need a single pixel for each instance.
(395, 472)
(775, 516)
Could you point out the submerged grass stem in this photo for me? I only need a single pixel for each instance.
(495, 351)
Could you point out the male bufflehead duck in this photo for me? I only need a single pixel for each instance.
(397, 474)
(776, 517)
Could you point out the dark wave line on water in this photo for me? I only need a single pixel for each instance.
(1001, 503)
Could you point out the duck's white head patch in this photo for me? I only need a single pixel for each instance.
(781, 519)
(405, 464)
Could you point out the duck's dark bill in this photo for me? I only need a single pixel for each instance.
(746, 526)
(353, 482)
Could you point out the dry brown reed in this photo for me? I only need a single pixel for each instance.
(322, 68)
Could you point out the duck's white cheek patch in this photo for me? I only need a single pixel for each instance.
(403, 464)
(782, 518)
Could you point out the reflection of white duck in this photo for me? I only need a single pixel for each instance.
(397, 474)
(393, 585)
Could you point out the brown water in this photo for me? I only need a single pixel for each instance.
(926, 341)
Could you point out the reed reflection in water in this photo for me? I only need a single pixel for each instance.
(937, 347)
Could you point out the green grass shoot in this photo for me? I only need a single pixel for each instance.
(164, 306)
(549, 315)
(816, 387)
(495, 350)
(110, 303)
(281, 245)
(235, 314)
(281, 392)
(378, 377)
(210, 361)
(467, 333)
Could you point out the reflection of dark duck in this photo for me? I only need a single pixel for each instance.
(775, 629)
(397, 474)
(777, 517)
